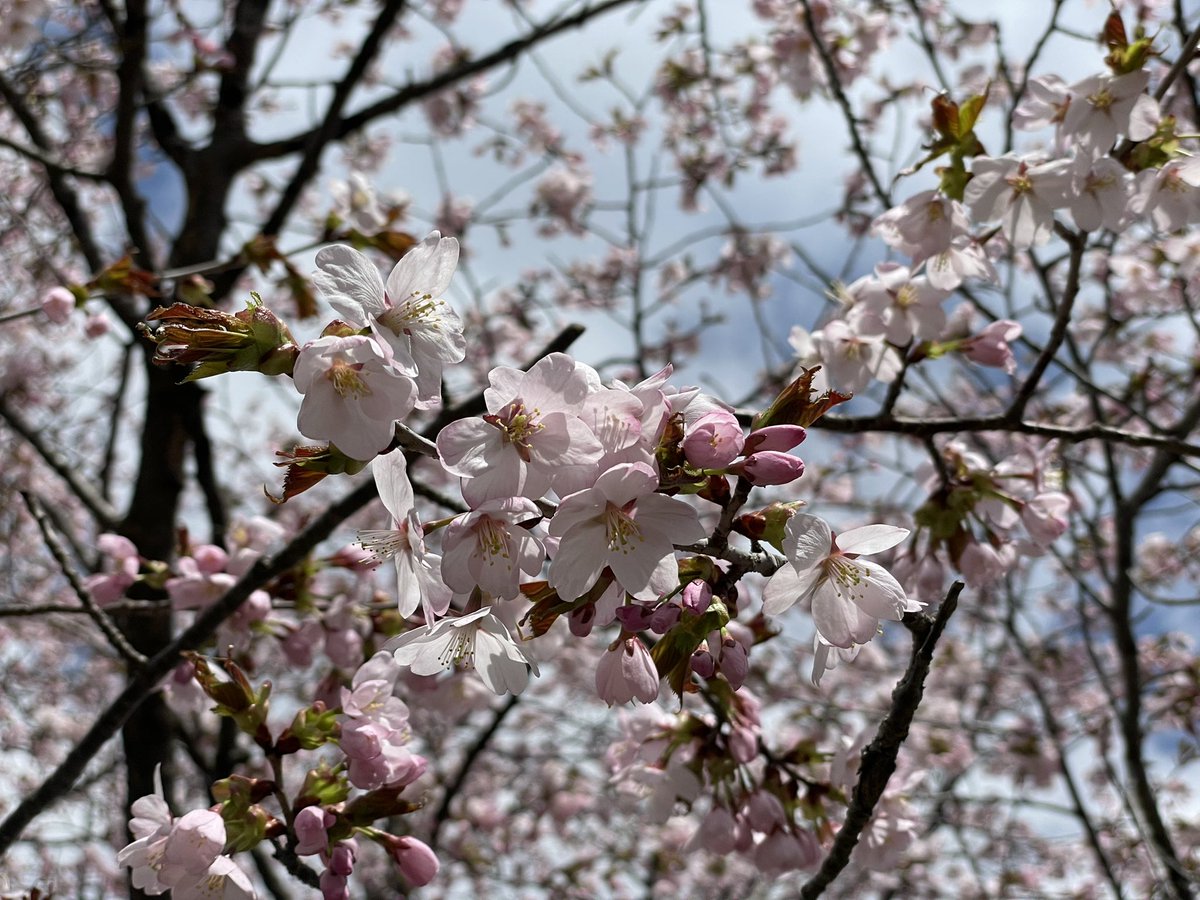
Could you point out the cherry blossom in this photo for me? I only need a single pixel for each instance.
(1023, 196)
(531, 437)
(488, 548)
(477, 640)
(848, 595)
(418, 581)
(408, 314)
(352, 396)
(623, 524)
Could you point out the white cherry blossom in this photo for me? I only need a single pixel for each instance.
(848, 595)
(418, 578)
(477, 640)
(408, 314)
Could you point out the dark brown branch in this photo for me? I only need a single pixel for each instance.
(879, 757)
(131, 37)
(421, 89)
(1058, 331)
(834, 83)
(317, 140)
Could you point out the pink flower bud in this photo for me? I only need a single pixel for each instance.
(627, 673)
(774, 437)
(664, 617)
(96, 326)
(634, 617)
(714, 440)
(770, 467)
(210, 559)
(703, 664)
(418, 863)
(311, 828)
(341, 860)
(333, 886)
(58, 304)
(991, 346)
(580, 620)
(697, 597)
(734, 664)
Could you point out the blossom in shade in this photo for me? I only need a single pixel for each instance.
(626, 672)
(621, 523)
(352, 396)
(408, 315)
(418, 578)
(488, 548)
(477, 640)
(848, 595)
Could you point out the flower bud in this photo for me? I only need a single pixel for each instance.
(770, 467)
(774, 437)
(58, 304)
(418, 863)
(253, 340)
(697, 597)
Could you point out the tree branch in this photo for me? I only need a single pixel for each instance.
(879, 756)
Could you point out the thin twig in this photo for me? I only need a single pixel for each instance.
(99, 616)
(106, 517)
(879, 757)
(460, 778)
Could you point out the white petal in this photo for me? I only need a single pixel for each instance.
(349, 282)
(870, 539)
(807, 540)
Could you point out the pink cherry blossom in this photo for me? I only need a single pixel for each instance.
(1021, 195)
(848, 595)
(352, 396)
(626, 673)
(477, 640)
(488, 548)
(714, 440)
(408, 314)
(905, 307)
(623, 524)
(1101, 106)
(531, 436)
